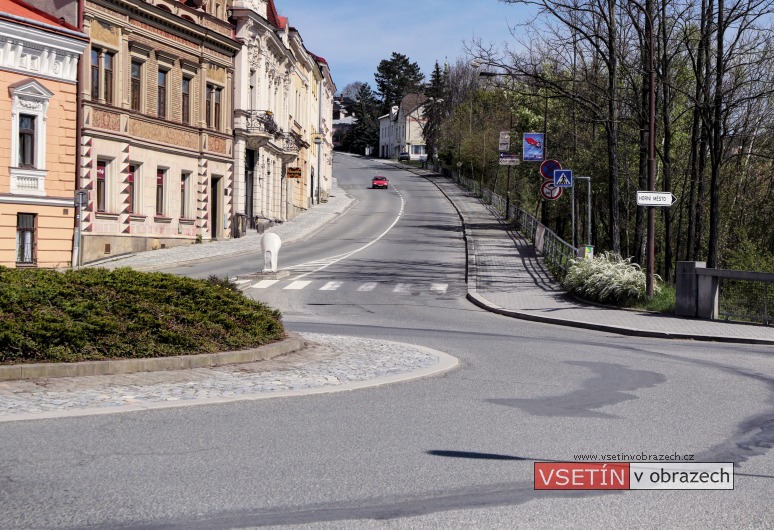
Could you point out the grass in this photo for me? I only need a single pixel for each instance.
(95, 314)
(663, 301)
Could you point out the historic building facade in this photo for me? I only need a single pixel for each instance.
(38, 108)
(276, 119)
(156, 158)
(400, 131)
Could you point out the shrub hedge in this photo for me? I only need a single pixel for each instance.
(608, 278)
(95, 313)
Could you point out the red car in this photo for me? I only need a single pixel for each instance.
(379, 182)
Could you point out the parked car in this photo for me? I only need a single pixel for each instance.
(404, 156)
(379, 182)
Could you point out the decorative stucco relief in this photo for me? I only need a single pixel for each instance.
(104, 32)
(106, 120)
(162, 133)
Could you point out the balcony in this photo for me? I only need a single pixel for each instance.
(261, 122)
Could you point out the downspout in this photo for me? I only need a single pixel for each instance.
(319, 131)
(78, 239)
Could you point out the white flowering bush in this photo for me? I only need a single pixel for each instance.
(606, 278)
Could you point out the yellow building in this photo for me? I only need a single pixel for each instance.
(156, 164)
(38, 109)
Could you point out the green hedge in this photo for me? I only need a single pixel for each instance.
(88, 314)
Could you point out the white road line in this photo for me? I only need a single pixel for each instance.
(331, 286)
(340, 257)
(297, 286)
(263, 284)
(370, 286)
(439, 287)
(240, 282)
(402, 288)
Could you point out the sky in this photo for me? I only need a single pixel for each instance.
(355, 35)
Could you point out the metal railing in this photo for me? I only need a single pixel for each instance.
(746, 300)
(262, 121)
(555, 250)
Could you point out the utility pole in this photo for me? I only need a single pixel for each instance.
(651, 232)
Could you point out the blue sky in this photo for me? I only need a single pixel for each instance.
(355, 35)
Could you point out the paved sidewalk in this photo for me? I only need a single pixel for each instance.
(302, 226)
(505, 276)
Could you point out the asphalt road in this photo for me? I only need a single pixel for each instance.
(452, 451)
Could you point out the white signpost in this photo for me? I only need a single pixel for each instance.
(509, 159)
(655, 198)
(505, 141)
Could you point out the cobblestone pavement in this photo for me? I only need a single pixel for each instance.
(329, 363)
(302, 226)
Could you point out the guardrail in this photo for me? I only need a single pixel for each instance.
(724, 294)
(555, 250)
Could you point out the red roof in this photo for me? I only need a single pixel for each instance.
(273, 17)
(20, 9)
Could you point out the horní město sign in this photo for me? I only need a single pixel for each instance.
(655, 198)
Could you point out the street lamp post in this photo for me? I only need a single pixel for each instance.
(318, 142)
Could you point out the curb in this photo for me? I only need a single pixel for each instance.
(479, 301)
(291, 343)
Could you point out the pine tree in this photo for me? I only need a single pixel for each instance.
(396, 77)
(365, 132)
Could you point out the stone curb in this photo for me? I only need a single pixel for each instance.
(291, 343)
(483, 303)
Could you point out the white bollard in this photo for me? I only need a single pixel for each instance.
(270, 245)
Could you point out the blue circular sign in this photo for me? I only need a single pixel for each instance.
(548, 167)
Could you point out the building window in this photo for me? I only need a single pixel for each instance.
(160, 177)
(136, 89)
(102, 65)
(25, 238)
(184, 179)
(101, 186)
(161, 111)
(26, 141)
(130, 189)
(213, 106)
(94, 74)
(108, 65)
(186, 103)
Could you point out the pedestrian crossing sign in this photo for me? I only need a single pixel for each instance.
(563, 178)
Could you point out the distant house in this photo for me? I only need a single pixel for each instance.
(343, 118)
(400, 131)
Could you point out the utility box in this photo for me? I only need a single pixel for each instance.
(687, 288)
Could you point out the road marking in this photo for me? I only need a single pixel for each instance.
(331, 286)
(336, 259)
(263, 284)
(240, 282)
(370, 286)
(439, 287)
(298, 285)
(402, 288)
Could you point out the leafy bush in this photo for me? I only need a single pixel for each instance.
(88, 314)
(606, 278)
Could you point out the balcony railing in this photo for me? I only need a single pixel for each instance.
(262, 121)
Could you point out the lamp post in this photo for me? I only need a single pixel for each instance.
(318, 142)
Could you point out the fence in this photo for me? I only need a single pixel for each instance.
(723, 294)
(555, 250)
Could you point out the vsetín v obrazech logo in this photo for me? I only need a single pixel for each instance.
(634, 476)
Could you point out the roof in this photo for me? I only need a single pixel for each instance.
(411, 102)
(273, 18)
(17, 8)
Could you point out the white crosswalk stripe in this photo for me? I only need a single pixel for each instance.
(337, 285)
(298, 285)
(263, 284)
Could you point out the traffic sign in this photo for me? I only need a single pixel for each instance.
(563, 178)
(505, 141)
(509, 159)
(548, 167)
(549, 191)
(655, 198)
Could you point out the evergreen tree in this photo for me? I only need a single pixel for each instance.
(396, 77)
(435, 108)
(365, 132)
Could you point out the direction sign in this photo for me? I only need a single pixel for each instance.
(509, 159)
(655, 198)
(549, 191)
(548, 167)
(563, 178)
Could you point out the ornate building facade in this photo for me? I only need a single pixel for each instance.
(156, 157)
(38, 108)
(276, 117)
